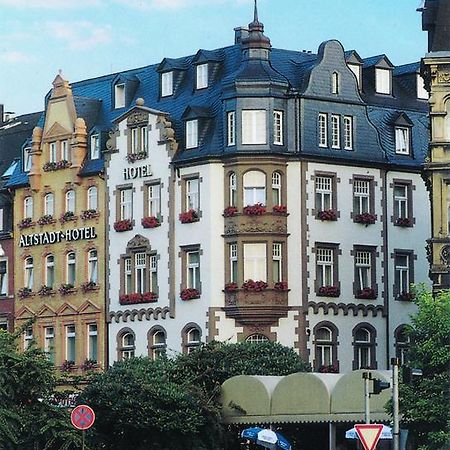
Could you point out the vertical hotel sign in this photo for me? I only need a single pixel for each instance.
(55, 237)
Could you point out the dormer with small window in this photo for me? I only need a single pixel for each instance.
(207, 65)
(355, 64)
(403, 135)
(410, 79)
(171, 75)
(379, 69)
(124, 90)
(198, 121)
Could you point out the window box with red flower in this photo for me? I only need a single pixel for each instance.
(89, 364)
(24, 293)
(280, 209)
(136, 297)
(46, 220)
(327, 214)
(67, 366)
(89, 214)
(133, 157)
(329, 291)
(189, 216)
(26, 223)
(281, 286)
(52, 166)
(254, 286)
(66, 289)
(404, 222)
(89, 286)
(189, 294)
(150, 222)
(123, 225)
(255, 210)
(406, 296)
(366, 293)
(330, 368)
(231, 287)
(230, 211)
(67, 217)
(44, 291)
(366, 218)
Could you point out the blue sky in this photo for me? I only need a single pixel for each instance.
(88, 38)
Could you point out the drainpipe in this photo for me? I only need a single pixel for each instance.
(386, 263)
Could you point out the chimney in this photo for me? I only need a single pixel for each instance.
(239, 34)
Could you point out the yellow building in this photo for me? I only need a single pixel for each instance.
(59, 234)
(436, 68)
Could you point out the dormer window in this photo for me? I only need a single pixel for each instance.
(383, 81)
(278, 127)
(27, 159)
(422, 93)
(192, 133)
(52, 152)
(166, 84)
(402, 140)
(356, 69)
(231, 128)
(335, 83)
(254, 127)
(202, 76)
(95, 146)
(119, 95)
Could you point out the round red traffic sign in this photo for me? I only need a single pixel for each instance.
(82, 417)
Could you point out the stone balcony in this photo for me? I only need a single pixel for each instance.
(268, 222)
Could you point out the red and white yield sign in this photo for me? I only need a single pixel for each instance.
(82, 417)
(369, 434)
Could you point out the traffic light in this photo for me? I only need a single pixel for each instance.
(379, 385)
(410, 373)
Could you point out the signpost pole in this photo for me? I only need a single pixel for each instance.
(82, 440)
(366, 377)
(395, 402)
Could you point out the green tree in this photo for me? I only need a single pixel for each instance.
(27, 420)
(425, 402)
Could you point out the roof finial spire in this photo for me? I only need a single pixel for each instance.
(255, 14)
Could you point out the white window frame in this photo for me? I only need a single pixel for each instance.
(128, 274)
(363, 263)
(27, 337)
(361, 193)
(49, 204)
(233, 262)
(153, 274)
(231, 128)
(52, 157)
(50, 271)
(356, 69)
(49, 342)
(92, 198)
(348, 132)
(166, 84)
(277, 261)
(254, 191)
(71, 341)
(154, 200)
(92, 338)
(95, 146)
(28, 207)
(276, 188)
(71, 268)
(324, 348)
(255, 261)
(254, 127)
(278, 124)
(70, 201)
(233, 188)
(135, 140)
(401, 202)
(192, 194)
(383, 81)
(363, 349)
(257, 338)
(335, 83)
(324, 192)
(140, 272)
(335, 131)
(158, 345)
(65, 151)
(143, 143)
(193, 280)
(128, 346)
(126, 204)
(93, 266)
(119, 95)
(402, 273)
(402, 140)
(193, 339)
(28, 269)
(192, 133)
(202, 76)
(27, 159)
(4, 277)
(325, 266)
(323, 131)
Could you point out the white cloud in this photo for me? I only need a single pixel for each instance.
(15, 57)
(80, 35)
(49, 4)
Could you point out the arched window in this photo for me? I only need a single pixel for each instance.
(28, 273)
(92, 266)
(233, 186)
(254, 188)
(28, 207)
(364, 347)
(70, 201)
(402, 343)
(191, 336)
(157, 342)
(50, 271)
(257, 338)
(335, 83)
(325, 347)
(276, 188)
(49, 204)
(127, 345)
(447, 120)
(71, 268)
(92, 198)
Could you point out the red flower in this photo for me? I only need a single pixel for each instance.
(255, 210)
(150, 222)
(404, 222)
(332, 368)
(406, 296)
(231, 287)
(366, 293)
(131, 299)
(189, 294)
(327, 214)
(254, 286)
(329, 291)
(189, 216)
(280, 209)
(281, 286)
(365, 218)
(26, 223)
(230, 211)
(123, 225)
(89, 214)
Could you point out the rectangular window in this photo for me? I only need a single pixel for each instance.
(361, 196)
(324, 193)
(255, 262)
(254, 127)
(49, 343)
(277, 263)
(119, 96)
(401, 201)
(140, 271)
(402, 141)
(348, 133)
(192, 133)
(126, 204)
(192, 194)
(363, 263)
(27, 337)
(135, 140)
(166, 84)
(154, 274)
(323, 141)
(403, 273)
(383, 81)
(27, 159)
(356, 69)
(2, 212)
(95, 146)
(93, 266)
(231, 127)
(233, 263)
(335, 132)
(52, 152)
(154, 201)
(144, 139)
(128, 276)
(193, 270)
(70, 343)
(324, 267)
(28, 207)
(202, 76)
(93, 342)
(65, 151)
(278, 127)
(3, 277)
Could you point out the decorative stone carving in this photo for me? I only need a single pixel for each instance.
(444, 77)
(267, 223)
(138, 242)
(137, 118)
(445, 255)
(111, 144)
